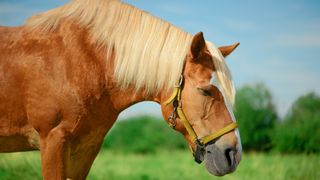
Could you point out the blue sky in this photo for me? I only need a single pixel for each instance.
(280, 40)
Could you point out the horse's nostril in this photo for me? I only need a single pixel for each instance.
(229, 153)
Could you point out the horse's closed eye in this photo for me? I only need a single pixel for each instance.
(205, 92)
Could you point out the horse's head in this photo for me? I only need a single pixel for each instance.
(200, 110)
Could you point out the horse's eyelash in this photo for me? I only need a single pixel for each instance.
(205, 92)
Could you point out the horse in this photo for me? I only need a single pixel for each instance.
(66, 74)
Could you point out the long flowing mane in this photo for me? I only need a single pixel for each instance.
(150, 53)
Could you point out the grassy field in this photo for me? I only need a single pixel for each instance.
(169, 165)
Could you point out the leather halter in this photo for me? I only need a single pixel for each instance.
(175, 99)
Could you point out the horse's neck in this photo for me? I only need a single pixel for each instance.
(119, 98)
(124, 98)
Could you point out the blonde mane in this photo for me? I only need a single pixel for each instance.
(150, 53)
(223, 75)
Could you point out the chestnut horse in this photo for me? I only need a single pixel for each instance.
(67, 74)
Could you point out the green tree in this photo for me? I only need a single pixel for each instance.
(300, 130)
(256, 115)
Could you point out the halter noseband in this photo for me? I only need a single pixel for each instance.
(175, 99)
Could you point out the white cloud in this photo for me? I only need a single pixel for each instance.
(241, 25)
(174, 8)
(6, 9)
(16, 9)
(15, 13)
(299, 40)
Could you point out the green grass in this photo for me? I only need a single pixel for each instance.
(169, 165)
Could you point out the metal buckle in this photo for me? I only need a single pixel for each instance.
(172, 118)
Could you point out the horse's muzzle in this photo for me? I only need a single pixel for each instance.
(220, 161)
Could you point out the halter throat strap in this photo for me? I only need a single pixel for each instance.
(175, 99)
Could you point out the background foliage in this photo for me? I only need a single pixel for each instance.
(143, 135)
(300, 130)
(256, 115)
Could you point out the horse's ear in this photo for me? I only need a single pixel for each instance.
(226, 50)
(198, 45)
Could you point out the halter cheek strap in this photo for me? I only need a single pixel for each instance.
(175, 99)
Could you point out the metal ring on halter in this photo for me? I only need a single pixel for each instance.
(180, 81)
(172, 120)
